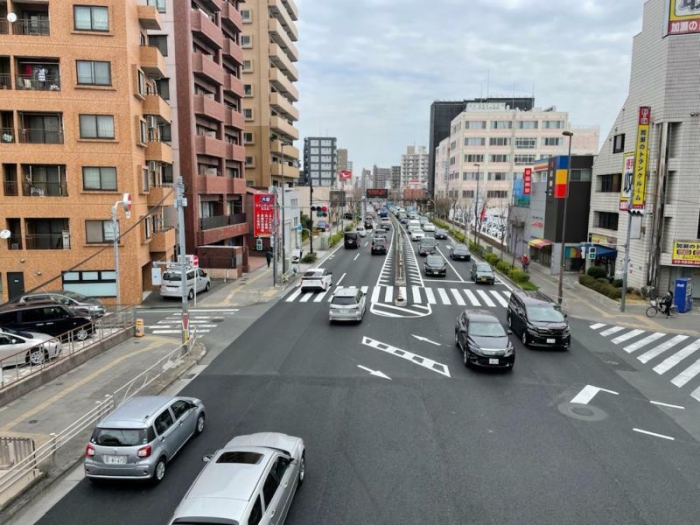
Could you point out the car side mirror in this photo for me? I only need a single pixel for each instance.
(207, 458)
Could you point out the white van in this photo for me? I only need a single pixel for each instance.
(172, 278)
(413, 223)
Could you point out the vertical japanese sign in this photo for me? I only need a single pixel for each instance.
(527, 181)
(641, 159)
(561, 174)
(627, 181)
(263, 214)
(683, 17)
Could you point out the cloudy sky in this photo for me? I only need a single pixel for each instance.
(371, 68)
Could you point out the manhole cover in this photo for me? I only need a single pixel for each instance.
(33, 421)
(217, 320)
(581, 412)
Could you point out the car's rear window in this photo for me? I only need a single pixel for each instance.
(172, 277)
(428, 241)
(344, 301)
(120, 437)
(483, 267)
(436, 260)
(312, 275)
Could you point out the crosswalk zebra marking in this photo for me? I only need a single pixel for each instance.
(470, 295)
(293, 297)
(389, 295)
(668, 363)
(430, 296)
(416, 295)
(444, 297)
(499, 298)
(611, 331)
(626, 337)
(458, 297)
(686, 375)
(651, 354)
(375, 294)
(597, 325)
(643, 342)
(486, 298)
(320, 297)
(306, 297)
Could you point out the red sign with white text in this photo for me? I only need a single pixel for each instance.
(345, 175)
(263, 214)
(527, 181)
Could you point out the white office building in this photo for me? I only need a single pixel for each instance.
(414, 168)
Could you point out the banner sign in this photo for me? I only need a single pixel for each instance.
(640, 162)
(683, 17)
(345, 175)
(561, 173)
(686, 253)
(263, 214)
(527, 181)
(376, 193)
(627, 181)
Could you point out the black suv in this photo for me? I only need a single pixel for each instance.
(352, 240)
(538, 320)
(46, 318)
(435, 265)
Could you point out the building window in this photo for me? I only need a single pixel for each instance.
(527, 124)
(147, 227)
(474, 158)
(159, 4)
(96, 127)
(619, 143)
(553, 141)
(582, 175)
(248, 113)
(498, 175)
(99, 178)
(470, 175)
(552, 124)
(525, 143)
(246, 41)
(93, 283)
(143, 132)
(141, 82)
(249, 161)
(501, 124)
(498, 158)
(499, 141)
(493, 194)
(91, 18)
(99, 232)
(608, 183)
(475, 124)
(248, 90)
(524, 160)
(245, 15)
(94, 73)
(159, 41)
(475, 142)
(247, 65)
(607, 220)
(248, 138)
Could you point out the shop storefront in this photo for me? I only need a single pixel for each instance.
(541, 251)
(604, 257)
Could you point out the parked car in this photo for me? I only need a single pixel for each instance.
(417, 235)
(49, 318)
(351, 240)
(141, 437)
(316, 280)
(440, 233)
(427, 246)
(252, 480)
(482, 273)
(380, 245)
(483, 341)
(347, 304)
(429, 228)
(361, 231)
(459, 251)
(538, 320)
(435, 265)
(78, 302)
(171, 282)
(19, 348)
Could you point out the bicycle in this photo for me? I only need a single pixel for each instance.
(656, 308)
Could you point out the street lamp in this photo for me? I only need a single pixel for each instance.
(562, 261)
(476, 199)
(125, 204)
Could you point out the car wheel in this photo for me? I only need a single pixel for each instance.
(82, 334)
(524, 337)
(465, 358)
(201, 419)
(302, 468)
(36, 357)
(457, 343)
(159, 471)
(207, 287)
(190, 295)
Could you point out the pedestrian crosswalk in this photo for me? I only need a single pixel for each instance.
(416, 295)
(202, 321)
(676, 357)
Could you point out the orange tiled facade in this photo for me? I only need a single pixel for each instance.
(81, 123)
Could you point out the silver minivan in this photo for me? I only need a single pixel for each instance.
(172, 278)
(347, 304)
(140, 437)
(251, 481)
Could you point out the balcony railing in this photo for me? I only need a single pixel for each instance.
(4, 26)
(40, 136)
(219, 221)
(7, 136)
(10, 188)
(5, 80)
(45, 189)
(31, 83)
(32, 27)
(46, 241)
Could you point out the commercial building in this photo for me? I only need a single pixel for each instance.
(381, 177)
(665, 77)
(414, 168)
(269, 74)
(83, 123)
(395, 182)
(321, 160)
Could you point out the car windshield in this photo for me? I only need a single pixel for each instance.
(312, 275)
(544, 314)
(344, 301)
(120, 437)
(76, 296)
(491, 329)
(485, 268)
(435, 260)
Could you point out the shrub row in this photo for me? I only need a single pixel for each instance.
(600, 285)
(336, 238)
(309, 258)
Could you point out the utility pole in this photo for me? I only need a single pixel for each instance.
(476, 200)
(284, 224)
(626, 263)
(180, 204)
(562, 258)
(311, 203)
(125, 203)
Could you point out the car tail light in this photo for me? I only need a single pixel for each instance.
(89, 451)
(144, 452)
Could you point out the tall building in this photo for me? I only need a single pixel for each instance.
(414, 168)
(321, 160)
(665, 77)
(342, 160)
(395, 178)
(381, 178)
(269, 74)
(82, 123)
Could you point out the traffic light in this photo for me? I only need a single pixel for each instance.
(324, 211)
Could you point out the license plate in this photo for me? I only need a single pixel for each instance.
(551, 341)
(494, 361)
(114, 460)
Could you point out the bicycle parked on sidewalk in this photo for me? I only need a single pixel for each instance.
(658, 307)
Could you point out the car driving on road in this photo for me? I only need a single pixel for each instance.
(380, 245)
(482, 340)
(440, 233)
(316, 280)
(417, 235)
(347, 304)
(435, 265)
(538, 320)
(351, 240)
(427, 246)
(428, 227)
(171, 284)
(482, 273)
(459, 252)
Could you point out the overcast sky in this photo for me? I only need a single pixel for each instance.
(371, 68)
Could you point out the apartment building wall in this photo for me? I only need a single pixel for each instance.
(269, 74)
(321, 160)
(381, 177)
(414, 167)
(62, 173)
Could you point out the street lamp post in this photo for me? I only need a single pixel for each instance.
(284, 224)
(562, 258)
(476, 199)
(125, 203)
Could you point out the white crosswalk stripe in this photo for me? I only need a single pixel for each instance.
(306, 297)
(457, 297)
(644, 342)
(375, 294)
(486, 298)
(293, 297)
(470, 295)
(667, 345)
(416, 295)
(389, 296)
(676, 358)
(499, 298)
(597, 325)
(320, 297)
(686, 375)
(626, 337)
(443, 296)
(431, 297)
(611, 331)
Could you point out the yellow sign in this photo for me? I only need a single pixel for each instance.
(686, 253)
(603, 240)
(639, 188)
(683, 17)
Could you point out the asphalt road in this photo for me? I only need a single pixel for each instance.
(432, 444)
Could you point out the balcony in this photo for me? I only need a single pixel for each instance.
(231, 16)
(47, 241)
(157, 195)
(204, 66)
(149, 18)
(45, 189)
(235, 152)
(152, 62)
(34, 26)
(213, 185)
(218, 228)
(7, 135)
(208, 107)
(153, 104)
(289, 151)
(292, 8)
(162, 241)
(281, 61)
(206, 29)
(5, 81)
(282, 84)
(4, 26)
(284, 127)
(50, 82)
(40, 136)
(281, 105)
(210, 146)
(234, 85)
(234, 119)
(291, 172)
(279, 11)
(159, 152)
(219, 221)
(279, 36)
(233, 50)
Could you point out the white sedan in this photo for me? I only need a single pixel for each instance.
(316, 280)
(19, 348)
(428, 227)
(417, 234)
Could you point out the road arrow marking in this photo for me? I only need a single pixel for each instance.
(426, 340)
(434, 366)
(588, 393)
(374, 372)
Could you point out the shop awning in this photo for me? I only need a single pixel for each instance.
(539, 243)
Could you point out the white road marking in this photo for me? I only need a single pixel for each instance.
(597, 325)
(696, 394)
(375, 294)
(416, 295)
(626, 337)
(306, 297)
(408, 356)
(686, 375)
(425, 339)
(611, 331)
(589, 392)
(341, 279)
(216, 311)
(376, 373)
(389, 294)
(430, 296)
(486, 298)
(665, 365)
(320, 297)
(293, 297)
(653, 434)
(651, 354)
(201, 317)
(447, 260)
(356, 256)
(470, 295)
(666, 405)
(366, 244)
(499, 298)
(458, 297)
(402, 292)
(443, 297)
(164, 332)
(643, 342)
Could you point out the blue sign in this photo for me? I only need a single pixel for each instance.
(518, 185)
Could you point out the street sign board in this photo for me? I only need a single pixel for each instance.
(527, 181)
(377, 193)
(263, 214)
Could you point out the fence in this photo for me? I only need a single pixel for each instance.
(14, 449)
(28, 466)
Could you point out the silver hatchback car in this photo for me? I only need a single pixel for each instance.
(140, 437)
